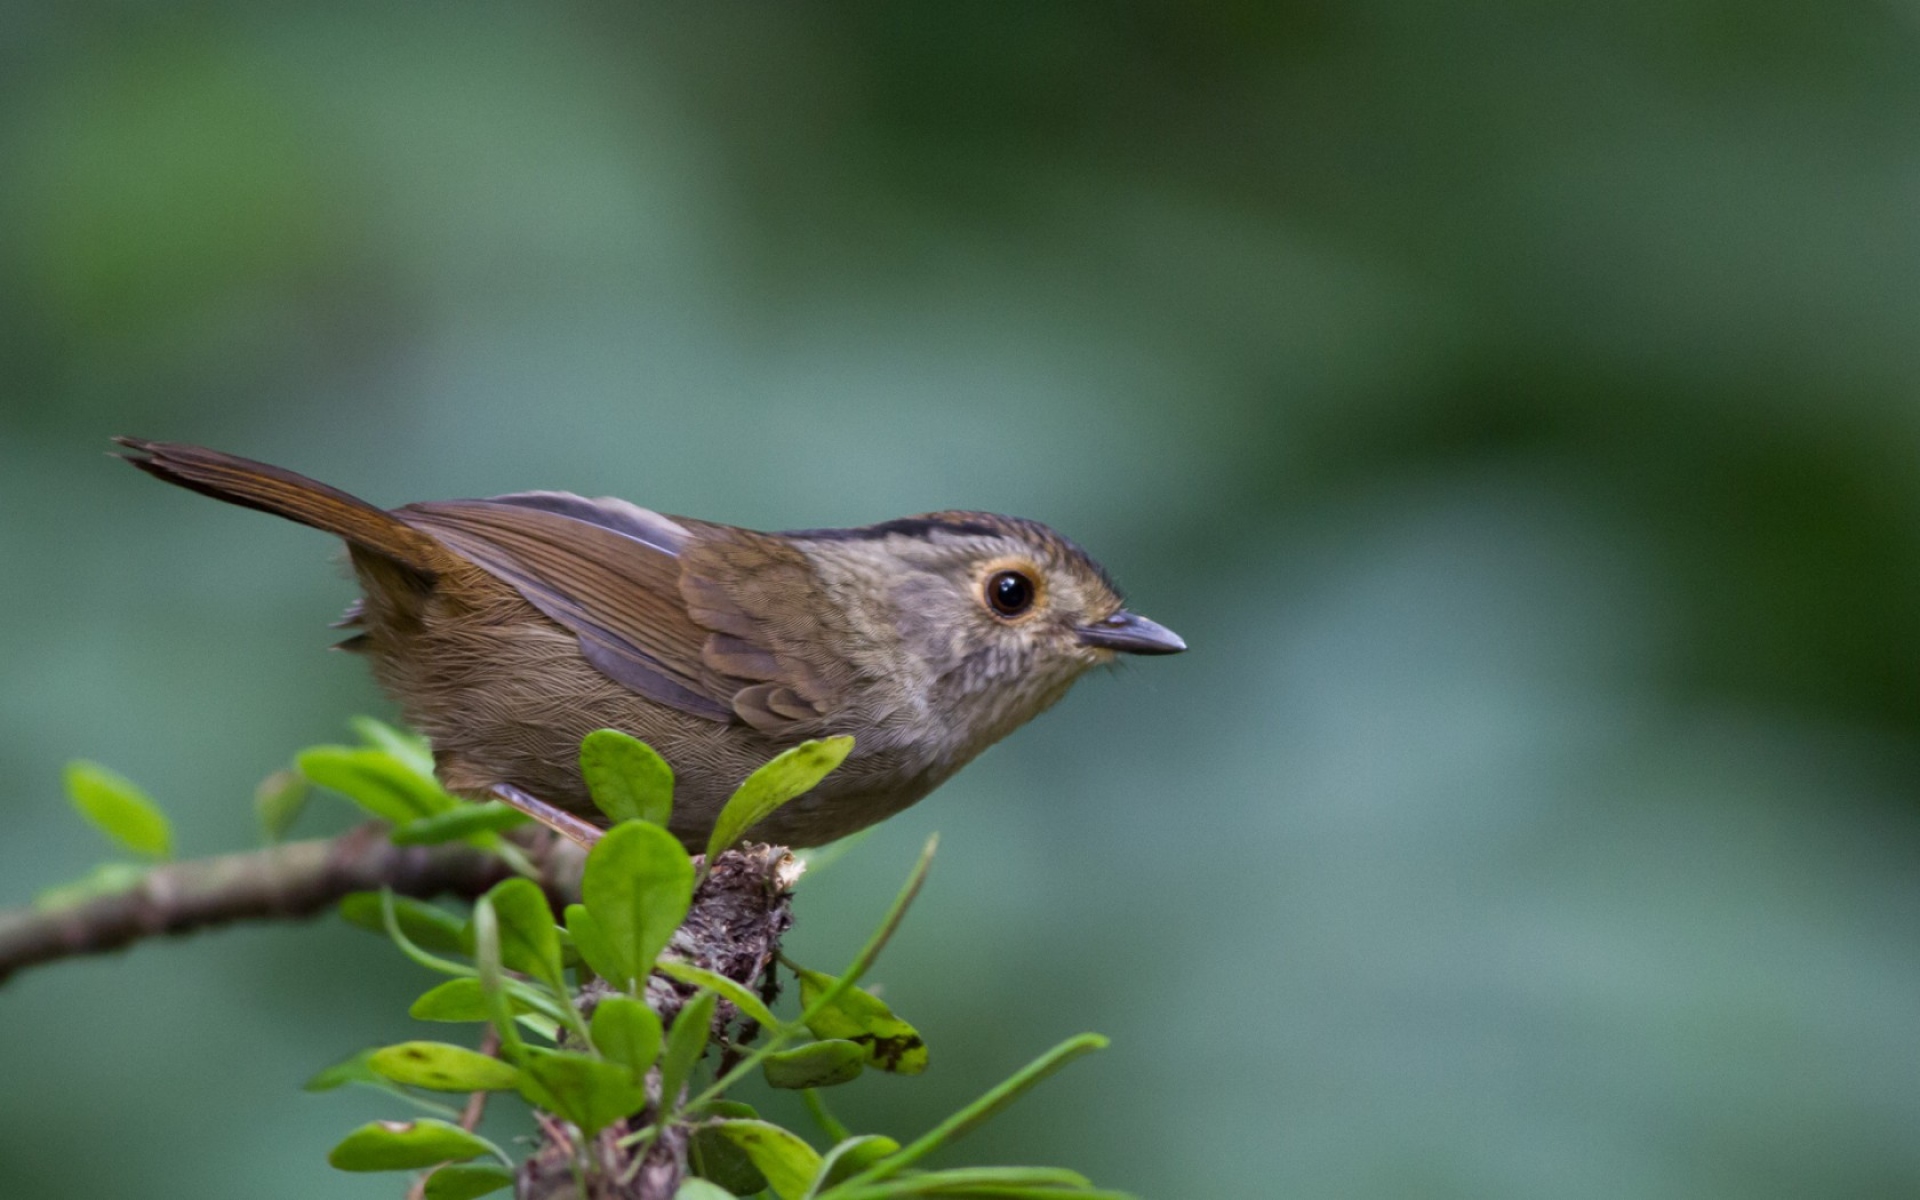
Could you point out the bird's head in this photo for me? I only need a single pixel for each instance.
(998, 615)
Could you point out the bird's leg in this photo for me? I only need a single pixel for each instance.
(562, 822)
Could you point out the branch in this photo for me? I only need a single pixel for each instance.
(740, 912)
(298, 879)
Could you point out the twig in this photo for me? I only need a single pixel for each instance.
(477, 1102)
(285, 882)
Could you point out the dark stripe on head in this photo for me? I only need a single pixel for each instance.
(964, 524)
(913, 527)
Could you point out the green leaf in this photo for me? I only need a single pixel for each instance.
(464, 999)
(119, 809)
(638, 884)
(340, 1074)
(426, 926)
(591, 943)
(406, 1146)
(860, 1016)
(454, 1000)
(410, 748)
(754, 1008)
(628, 1033)
(714, 1156)
(456, 823)
(628, 779)
(493, 980)
(440, 1067)
(529, 942)
(357, 1072)
(700, 1189)
(377, 781)
(816, 1064)
(105, 879)
(464, 1182)
(590, 1092)
(789, 1164)
(277, 803)
(850, 1156)
(686, 1042)
(791, 774)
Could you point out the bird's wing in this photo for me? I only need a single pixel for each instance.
(625, 581)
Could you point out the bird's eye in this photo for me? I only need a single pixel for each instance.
(1010, 593)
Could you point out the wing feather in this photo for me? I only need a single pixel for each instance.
(654, 606)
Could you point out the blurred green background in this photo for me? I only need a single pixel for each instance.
(1514, 406)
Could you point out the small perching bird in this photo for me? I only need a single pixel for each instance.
(507, 629)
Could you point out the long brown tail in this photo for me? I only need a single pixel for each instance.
(256, 485)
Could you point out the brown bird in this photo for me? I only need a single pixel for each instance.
(510, 628)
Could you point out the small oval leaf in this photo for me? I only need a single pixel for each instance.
(340, 1074)
(591, 943)
(529, 941)
(454, 1000)
(590, 1092)
(789, 1164)
(466, 1181)
(713, 1156)
(119, 809)
(278, 801)
(627, 1032)
(377, 781)
(410, 748)
(699, 1189)
(791, 774)
(440, 1067)
(628, 779)
(427, 926)
(860, 1016)
(465, 999)
(637, 885)
(406, 1146)
(817, 1064)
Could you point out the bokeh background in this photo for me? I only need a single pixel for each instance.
(1514, 406)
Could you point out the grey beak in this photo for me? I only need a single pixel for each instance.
(1131, 634)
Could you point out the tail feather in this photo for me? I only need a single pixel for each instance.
(270, 489)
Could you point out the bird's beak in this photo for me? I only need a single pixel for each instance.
(1131, 634)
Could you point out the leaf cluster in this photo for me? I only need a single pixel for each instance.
(565, 998)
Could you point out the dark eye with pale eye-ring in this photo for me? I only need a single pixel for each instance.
(1009, 593)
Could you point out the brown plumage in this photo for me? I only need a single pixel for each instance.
(510, 628)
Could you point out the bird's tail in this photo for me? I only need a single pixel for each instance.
(270, 489)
